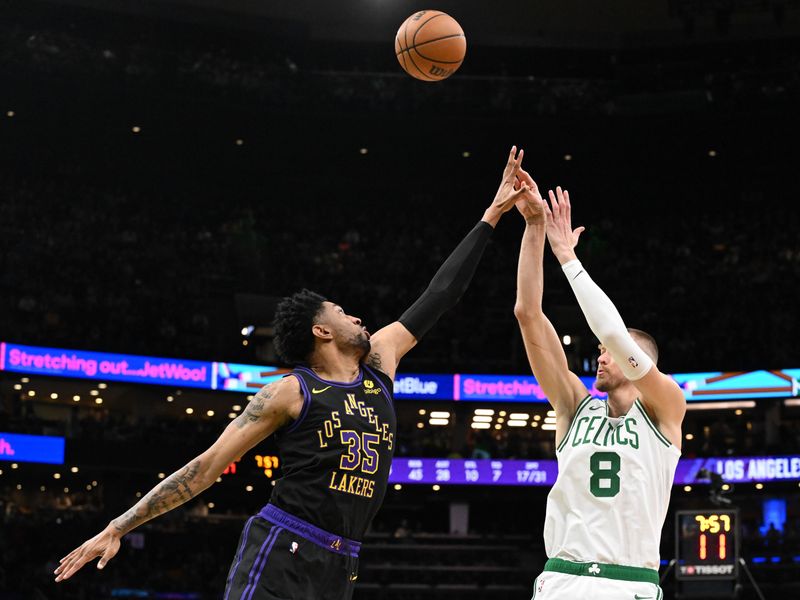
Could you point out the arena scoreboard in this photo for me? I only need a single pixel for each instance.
(707, 544)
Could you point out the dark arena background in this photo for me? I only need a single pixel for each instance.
(170, 168)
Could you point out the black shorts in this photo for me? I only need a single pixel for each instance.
(273, 562)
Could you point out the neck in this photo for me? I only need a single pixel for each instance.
(335, 366)
(621, 399)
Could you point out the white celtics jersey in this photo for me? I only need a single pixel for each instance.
(610, 499)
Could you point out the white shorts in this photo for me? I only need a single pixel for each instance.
(552, 585)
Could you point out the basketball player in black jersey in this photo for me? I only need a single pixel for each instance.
(334, 424)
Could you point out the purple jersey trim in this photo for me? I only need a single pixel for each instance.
(262, 560)
(385, 391)
(306, 403)
(320, 537)
(355, 383)
(238, 559)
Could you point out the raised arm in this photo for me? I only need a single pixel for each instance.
(391, 343)
(548, 362)
(275, 405)
(661, 396)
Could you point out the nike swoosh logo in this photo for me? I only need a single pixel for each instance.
(316, 391)
(595, 407)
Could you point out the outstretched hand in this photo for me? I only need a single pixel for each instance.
(509, 191)
(560, 234)
(104, 545)
(531, 205)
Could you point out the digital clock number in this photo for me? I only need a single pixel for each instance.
(713, 523)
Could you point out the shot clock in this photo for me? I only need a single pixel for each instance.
(707, 544)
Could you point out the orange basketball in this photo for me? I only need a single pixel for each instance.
(430, 45)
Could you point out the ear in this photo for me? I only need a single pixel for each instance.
(322, 332)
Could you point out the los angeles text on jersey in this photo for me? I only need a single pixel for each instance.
(360, 449)
(599, 430)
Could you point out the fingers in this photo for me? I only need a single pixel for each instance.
(514, 163)
(107, 556)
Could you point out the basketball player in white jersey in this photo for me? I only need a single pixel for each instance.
(616, 458)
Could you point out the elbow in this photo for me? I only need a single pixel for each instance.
(524, 312)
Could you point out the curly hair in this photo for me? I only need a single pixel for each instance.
(294, 317)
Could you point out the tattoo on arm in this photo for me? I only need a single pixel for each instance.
(255, 409)
(176, 489)
(374, 361)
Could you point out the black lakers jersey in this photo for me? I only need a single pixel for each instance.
(337, 454)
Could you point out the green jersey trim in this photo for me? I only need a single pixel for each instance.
(577, 410)
(595, 569)
(662, 438)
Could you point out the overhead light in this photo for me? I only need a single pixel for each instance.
(481, 425)
(687, 488)
(551, 413)
(88, 487)
(363, 151)
(136, 129)
(466, 154)
(568, 157)
(484, 411)
(498, 426)
(232, 415)
(712, 153)
(537, 417)
(720, 405)
(549, 427)
(17, 386)
(398, 487)
(66, 490)
(519, 416)
(41, 488)
(211, 505)
(170, 398)
(102, 386)
(737, 412)
(245, 342)
(246, 331)
(239, 142)
(436, 487)
(437, 414)
(98, 400)
(422, 411)
(567, 340)
(210, 413)
(500, 419)
(438, 421)
(19, 486)
(24, 380)
(479, 419)
(94, 483)
(138, 494)
(689, 436)
(534, 423)
(10, 114)
(161, 475)
(14, 466)
(502, 413)
(250, 397)
(74, 469)
(237, 407)
(56, 475)
(249, 488)
(94, 393)
(31, 393)
(76, 398)
(54, 396)
(420, 425)
(189, 411)
(725, 487)
(550, 420)
(516, 423)
(759, 486)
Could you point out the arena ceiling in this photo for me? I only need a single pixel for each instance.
(550, 23)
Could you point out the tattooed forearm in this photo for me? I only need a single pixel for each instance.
(255, 409)
(374, 361)
(176, 489)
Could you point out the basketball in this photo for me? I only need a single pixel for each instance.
(430, 45)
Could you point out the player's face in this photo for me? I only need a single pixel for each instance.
(348, 331)
(609, 375)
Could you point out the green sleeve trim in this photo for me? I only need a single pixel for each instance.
(577, 410)
(662, 438)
